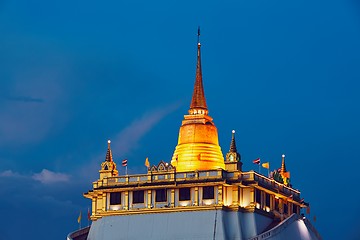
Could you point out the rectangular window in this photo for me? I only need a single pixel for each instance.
(184, 194)
(276, 204)
(257, 195)
(138, 196)
(295, 209)
(161, 195)
(285, 208)
(115, 198)
(208, 192)
(267, 200)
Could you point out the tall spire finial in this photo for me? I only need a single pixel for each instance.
(198, 35)
(109, 157)
(198, 102)
(233, 143)
(233, 156)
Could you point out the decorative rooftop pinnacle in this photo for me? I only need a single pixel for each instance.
(109, 157)
(198, 102)
(283, 167)
(198, 35)
(233, 143)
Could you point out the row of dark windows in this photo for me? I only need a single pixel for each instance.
(258, 197)
(267, 202)
(161, 195)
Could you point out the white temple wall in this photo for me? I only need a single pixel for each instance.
(180, 225)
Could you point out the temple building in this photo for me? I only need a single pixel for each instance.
(198, 194)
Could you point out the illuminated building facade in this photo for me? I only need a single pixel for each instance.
(198, 195)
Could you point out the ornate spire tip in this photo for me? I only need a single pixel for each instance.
(233, 131)
(283, 155)
(198, 34)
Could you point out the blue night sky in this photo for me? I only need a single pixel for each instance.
(73, 74)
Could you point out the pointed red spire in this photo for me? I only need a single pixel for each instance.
(198, 101)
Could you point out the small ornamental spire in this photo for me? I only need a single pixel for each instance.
(198, 101)
(284, 174)
(233, 155)
(109, 157)
(233, 143)
(283, 167)
(108, 167)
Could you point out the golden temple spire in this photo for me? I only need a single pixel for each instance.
(198, 101)
(109, 157)
(198, 144)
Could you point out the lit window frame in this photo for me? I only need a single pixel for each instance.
(184, 196)
(162, 196)
(206, 190)
(115, 198)
(137, 194)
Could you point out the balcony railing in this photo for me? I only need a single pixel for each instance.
(173, 177)
(270, 183)
(160, 177)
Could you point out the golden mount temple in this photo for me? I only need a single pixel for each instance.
(198, 195)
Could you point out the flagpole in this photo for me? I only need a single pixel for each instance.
(259, 167)
(79, 220)
(126, 173)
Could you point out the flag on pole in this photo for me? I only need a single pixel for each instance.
(256, 161)
(266, 165)
(308, 209)
(79, 218)
(124, 162)
(147, 163)
(89, 215)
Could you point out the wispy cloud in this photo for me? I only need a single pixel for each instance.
(9, 173)
(128, 138)
(60, 204)
(25, 99)
(45, 176)
(49, 177)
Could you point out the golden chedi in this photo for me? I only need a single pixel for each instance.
(198, 145)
